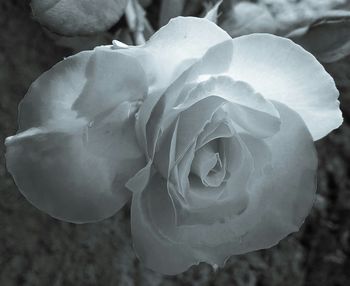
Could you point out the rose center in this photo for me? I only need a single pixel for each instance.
(208, 165)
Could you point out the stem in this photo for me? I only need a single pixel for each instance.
(135, 17)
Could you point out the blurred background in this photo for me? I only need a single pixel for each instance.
(36, 249)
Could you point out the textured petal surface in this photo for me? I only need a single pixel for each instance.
(77, 174)
(279, 201)
(245, 107)
(248, 109)
(283, 71)
(51, 97)
(82, 86)
(78, 17)
(157, 251)
(76, 145)
(112, 78)
(215, 61)
(205, 205)
(175, 47)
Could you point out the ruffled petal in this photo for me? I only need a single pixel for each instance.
(219, 127)
(176, 139)
(175, 47)
(283, 71)
(156, 105)
(191, 123)
(151, 215)
(78, 173)
(76, 145)
(207, 205)
(82, 86)
(279, 201)
(112, 78)
(51, 97)
(247, 109)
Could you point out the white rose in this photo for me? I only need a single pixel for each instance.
(212, 136)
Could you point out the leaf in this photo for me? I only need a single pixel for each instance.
(170, 9)
(244, 18)
(340, 71)
(193, 7)
(327, 38)
(78, 17)
(145, 3)
(81, 43)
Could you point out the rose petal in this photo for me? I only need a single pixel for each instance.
(219, 127)
(83, 85)
(259, 151)
(175, 47)
(278, 205)
(248, 109)
(78, 174)
(205, 160)
(112, 78)
(215, 61)
(279, 201)
(177, 138)
(245, 107)
(283, 71)
(77, 146)
(151, 245)
(192, 121)
(208, 205)
(51, 96)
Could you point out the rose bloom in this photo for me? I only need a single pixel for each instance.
(210, 137)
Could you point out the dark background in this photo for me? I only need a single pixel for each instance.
(36, 249)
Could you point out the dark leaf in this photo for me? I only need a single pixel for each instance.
(170, 9)
(78, 17)
(245, 18)
(328, 38)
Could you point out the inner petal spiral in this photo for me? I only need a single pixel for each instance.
(208, 166)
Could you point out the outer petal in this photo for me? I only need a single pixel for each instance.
(155, 250)
(77, 174)
(155, 106)
(283, 71)
(279, 202)
(77, 146)
(82, 86)
(175, 47)
(51, 97)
